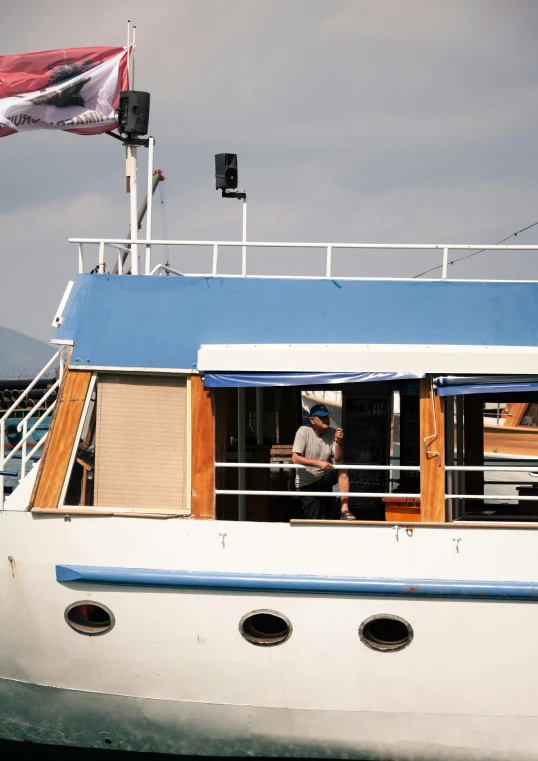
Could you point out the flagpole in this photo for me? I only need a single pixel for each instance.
(129, 51)
(131, 164)
(134, 57)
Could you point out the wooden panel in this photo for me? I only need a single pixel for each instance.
(61, 438)
(401, 509)
(432, 466)
(515, 412)
(141, 442)
(473, 441)
(203, 451)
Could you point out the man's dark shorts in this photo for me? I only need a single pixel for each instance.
(322, 508)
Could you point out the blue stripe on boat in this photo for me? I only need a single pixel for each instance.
(336, 585)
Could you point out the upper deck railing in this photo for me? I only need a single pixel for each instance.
(122, 245)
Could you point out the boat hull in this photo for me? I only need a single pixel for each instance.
(175, 675)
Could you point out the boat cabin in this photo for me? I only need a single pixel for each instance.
(180, 396)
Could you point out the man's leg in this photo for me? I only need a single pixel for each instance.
(343, 485)
(312, 507)
(330, 506)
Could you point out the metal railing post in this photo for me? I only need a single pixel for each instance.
(329, 261)
(241, 453)
(23, 450)
(80, 258)
(151, 145)
(445, 262)
(214, 266)
(2, 457)
(102, 257)
(244, 248)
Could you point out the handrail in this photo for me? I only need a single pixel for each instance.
(328, 272)
(489, 468)
(285, 465)
(334, 494)
(27, 432)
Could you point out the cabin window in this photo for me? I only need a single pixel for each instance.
(134, 445)
(381, 424)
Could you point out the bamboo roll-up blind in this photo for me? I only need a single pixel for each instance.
(141, 442)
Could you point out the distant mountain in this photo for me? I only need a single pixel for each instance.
(22, 355)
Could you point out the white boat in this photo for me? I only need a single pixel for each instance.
(156, 593)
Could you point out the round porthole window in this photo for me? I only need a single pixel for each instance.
(89, 618)
(386, 633)
(265, 628)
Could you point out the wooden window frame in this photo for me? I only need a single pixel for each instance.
(185, 512)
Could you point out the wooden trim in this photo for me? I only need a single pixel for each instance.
(459, 525)
(60, 439)
(517, 411)
(432, 455)
(88, 512)
(203, 451)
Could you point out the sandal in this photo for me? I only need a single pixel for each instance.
(347, 516)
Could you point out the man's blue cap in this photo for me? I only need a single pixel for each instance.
(319, 410)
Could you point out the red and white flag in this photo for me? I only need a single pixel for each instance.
(76, 90)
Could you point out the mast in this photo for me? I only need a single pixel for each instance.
(158, 177)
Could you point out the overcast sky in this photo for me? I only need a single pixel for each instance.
(397, 121)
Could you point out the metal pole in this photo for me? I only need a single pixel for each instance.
(449, 449)
(151, 145)
(131, 174)
(129, 52)
(134, 54)
(157, 177)
(2, 455)
(23, 451)
(244, 249)
(460, 477)
(445, 262)
(241, 453)
(259, 416)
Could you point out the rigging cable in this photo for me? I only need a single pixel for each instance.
(474, 253)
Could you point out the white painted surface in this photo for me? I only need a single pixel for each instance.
(412, 358)
(466, 687)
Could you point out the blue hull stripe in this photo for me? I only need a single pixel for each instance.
(336, 585)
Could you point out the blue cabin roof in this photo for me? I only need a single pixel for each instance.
(162, 322)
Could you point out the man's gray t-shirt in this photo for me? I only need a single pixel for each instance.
(313, 447)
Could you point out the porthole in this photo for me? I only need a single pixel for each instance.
(89, 618)
(265, 628)
(386, 633)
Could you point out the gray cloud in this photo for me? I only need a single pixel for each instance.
(393, 121)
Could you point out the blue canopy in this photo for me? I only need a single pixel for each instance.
(458, 385)
(306, 380)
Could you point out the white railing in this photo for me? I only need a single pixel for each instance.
(23, 424)
(494, 497)
(395, 467)
(122, 244)
(291, 466)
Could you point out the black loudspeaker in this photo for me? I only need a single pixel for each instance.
(133, 113)
(226, 171)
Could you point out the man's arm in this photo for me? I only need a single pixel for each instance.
(298, 459)
(339, 446)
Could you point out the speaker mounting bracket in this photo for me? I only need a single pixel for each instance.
(241, 194)
(135, 142)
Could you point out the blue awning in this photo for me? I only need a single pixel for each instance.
(305, 380)
(458, 385)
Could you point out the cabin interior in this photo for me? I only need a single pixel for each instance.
(163, 445)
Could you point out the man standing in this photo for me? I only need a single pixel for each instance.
(314, 446)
